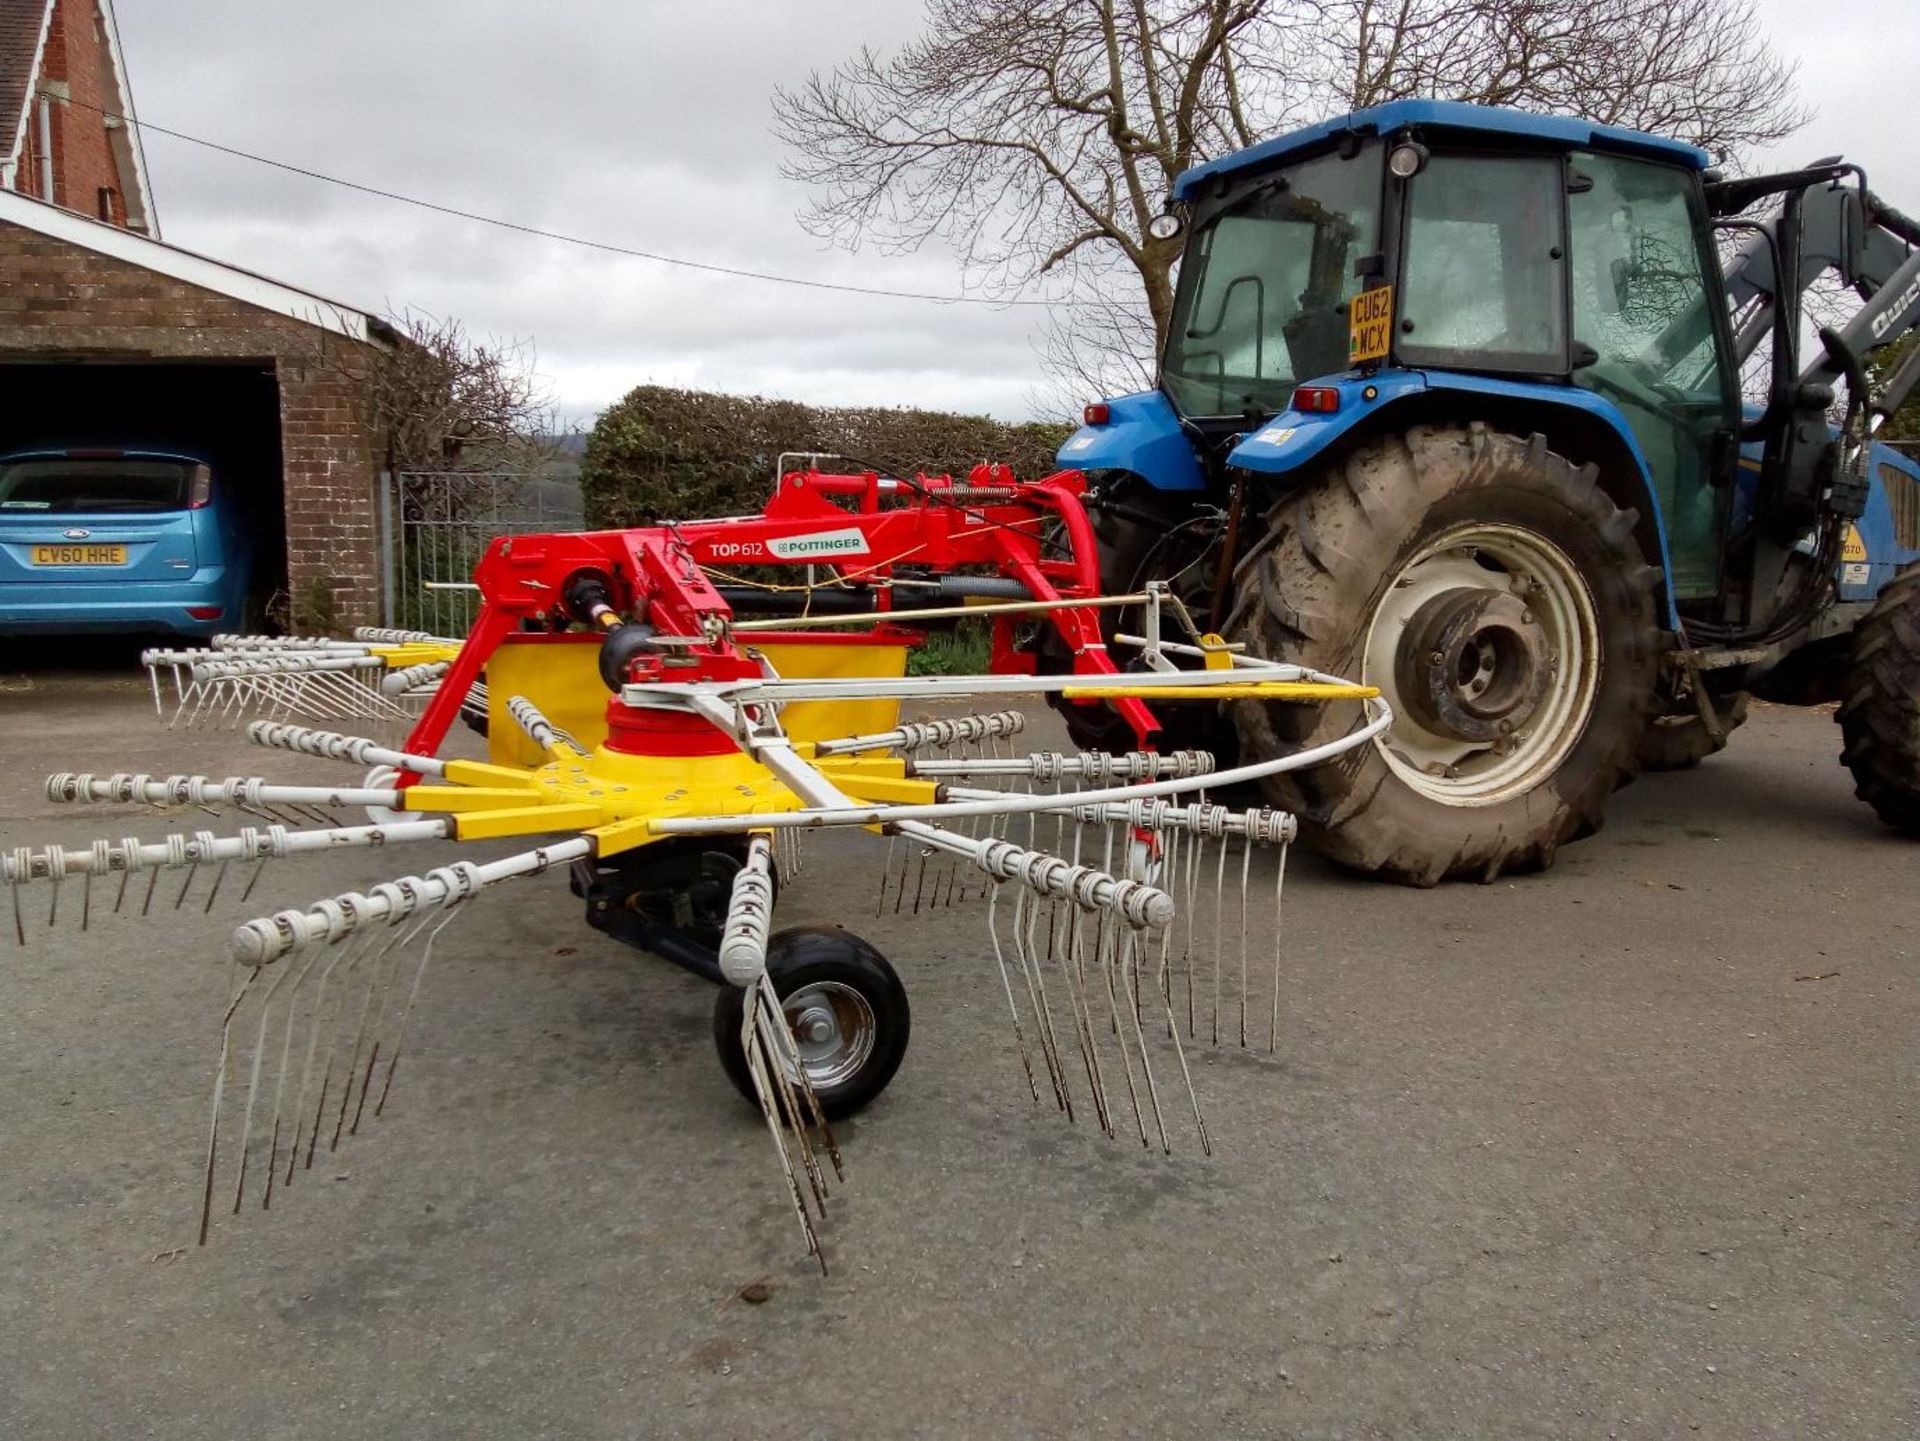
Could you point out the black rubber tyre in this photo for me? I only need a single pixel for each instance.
(1679, 741)
(837, 969)
(1880, 713)
(1315, 590)
(1138, 540)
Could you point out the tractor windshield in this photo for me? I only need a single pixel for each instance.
(1264, 286)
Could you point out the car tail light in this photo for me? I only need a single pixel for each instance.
(1097, 413)
(206, 612)
(200, 493)
(1316, 400)
(94, 454)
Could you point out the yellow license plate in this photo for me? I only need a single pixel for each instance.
(79, 555)
(1369, 318)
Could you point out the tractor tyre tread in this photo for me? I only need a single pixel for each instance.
(1879, 713)
(1304, 598)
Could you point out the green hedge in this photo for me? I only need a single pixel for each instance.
(687, 455)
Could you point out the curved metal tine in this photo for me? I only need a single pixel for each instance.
(1279, 888)
(1169, 871)
(219, 1094)
(1195, 854)
(886, 868)
(186, 694)
(1219, 905)
(1246, 876)
(1111, 962)
(300, 970)
(1180, 1053)
(316, 1022)
(758, 1073)
(359, 1035)
(1073, 964)
(252, 881)
(816, 1113)
(1135, 941)
(790, 1079)
(453, 913)
(1006, 982)
(218, 876)
(1042, 1009)
(906, 864)
(404, 937)
(920, 879)
(253, 1085)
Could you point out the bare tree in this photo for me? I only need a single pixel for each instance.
(1039, 137)
(444, 399)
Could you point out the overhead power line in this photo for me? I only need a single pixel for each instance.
(534, 230)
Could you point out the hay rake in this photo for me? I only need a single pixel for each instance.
(677, 761)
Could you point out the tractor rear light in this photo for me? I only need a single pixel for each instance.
(206, 612)
(1316, 399)
(200, 489)
(1097, 413)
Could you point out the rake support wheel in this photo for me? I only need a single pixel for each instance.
(846, 1006)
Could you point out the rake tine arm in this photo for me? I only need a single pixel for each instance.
(262, 941)
(246, 791)
(357, 750)
(55, 863)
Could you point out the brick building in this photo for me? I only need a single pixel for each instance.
(64, 137)
(109, 336)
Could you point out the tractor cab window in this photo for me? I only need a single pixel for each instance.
(1643, 315)
(1483, 285)
(1264, 287)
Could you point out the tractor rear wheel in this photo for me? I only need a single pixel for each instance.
(1679, 740)
(1879, 714)
(1498, 598)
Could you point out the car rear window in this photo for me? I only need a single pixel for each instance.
(80, 487)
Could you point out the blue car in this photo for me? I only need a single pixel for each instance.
(119, 540)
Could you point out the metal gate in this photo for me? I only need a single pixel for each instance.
(435, 526)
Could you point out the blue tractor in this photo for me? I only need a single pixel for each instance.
(1452, 399)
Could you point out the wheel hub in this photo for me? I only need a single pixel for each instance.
(1486, 644)
(834, 1028)
(1473, 663)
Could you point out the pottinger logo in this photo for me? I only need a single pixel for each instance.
(820, 543)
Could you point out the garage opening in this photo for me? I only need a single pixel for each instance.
(225, 414)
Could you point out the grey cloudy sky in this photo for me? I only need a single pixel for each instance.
(645, 122)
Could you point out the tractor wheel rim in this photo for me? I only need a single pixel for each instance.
(834, 1030)
(1487, 645)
